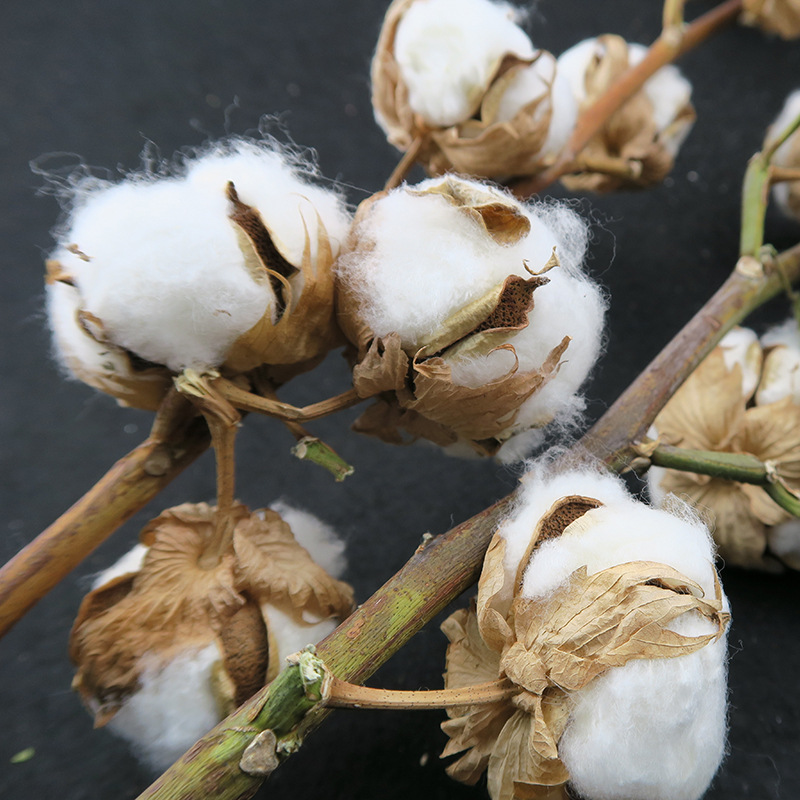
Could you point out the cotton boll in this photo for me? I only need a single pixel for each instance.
(448, 50)
(611, 746)
(160, 268)
(321, 540)
(174, 707)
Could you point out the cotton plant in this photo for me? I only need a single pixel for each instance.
(744, 398)
(604, 615)
(470, 323)
(184, 628)
(224, 265)
(460, 329)
(787, 193)
(781, 17)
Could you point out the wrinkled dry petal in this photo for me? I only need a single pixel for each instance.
(774, 16)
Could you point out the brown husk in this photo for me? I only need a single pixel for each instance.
(709, 412)
(773, 16)
(630, 138)
(479, 145)
(303, 327)
(187, 596)
(552, 646)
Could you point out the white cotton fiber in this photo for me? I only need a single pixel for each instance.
(158, 260)
(174, 707)
(784, 154)
(320, 539)
(781, 372)
(130, 562)
(651, 729)
(289, 635)
(530, 83)
(740, 346)
(448, 50)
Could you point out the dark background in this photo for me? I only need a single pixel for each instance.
(105, 79)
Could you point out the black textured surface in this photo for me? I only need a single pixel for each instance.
(105, 80)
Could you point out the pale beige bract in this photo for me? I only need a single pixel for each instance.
(774, 16)
(185, 597)
(711, 412)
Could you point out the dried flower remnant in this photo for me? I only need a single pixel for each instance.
(454, 301)
(638, 145)
(773, 16)
(177, 634)
(787, 193)
(224, 265)
(744, 398)
(440, 76)
(609, 617)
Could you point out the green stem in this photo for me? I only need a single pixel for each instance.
(312, 449)
(755, 192)
(731, 466)
(447, 565)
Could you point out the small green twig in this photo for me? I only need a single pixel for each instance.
(739, 467)
(310, 448)
(755, 192)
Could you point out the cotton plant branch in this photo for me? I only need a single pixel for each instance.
(230, 761)
(674, 41)
(739, 467)
(177, 438)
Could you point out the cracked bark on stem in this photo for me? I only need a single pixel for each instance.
(176, 440)
(670, 45)
(449, 564)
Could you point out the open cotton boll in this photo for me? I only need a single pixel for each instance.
(161, 269)
(172, 709)
(448, 51)
(475, 301)
(608, 618)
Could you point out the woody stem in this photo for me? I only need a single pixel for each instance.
(177, 438)
(247, 401)
(340, 694)
(664, 50)
(223, 439)
(405, 164)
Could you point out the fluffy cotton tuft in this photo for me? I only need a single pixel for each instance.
(174, 707)
(158, 263)
(651, 729)
(320, 539)
(448, 50)
(781, 373)
(528, 84)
